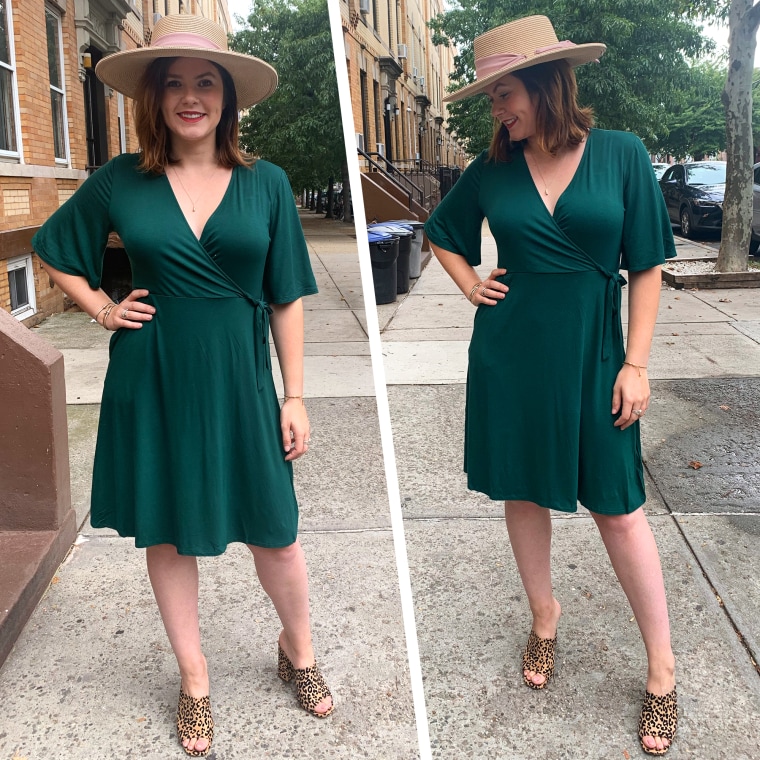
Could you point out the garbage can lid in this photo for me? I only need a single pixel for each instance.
(379, 237)
(413, 223)
(401, 230)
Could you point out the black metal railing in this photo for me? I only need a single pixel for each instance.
(393, 174)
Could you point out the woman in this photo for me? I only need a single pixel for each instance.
(193, 449)
(568, 206)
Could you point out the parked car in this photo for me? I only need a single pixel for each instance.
(694, 195)
(754, 243)
(660, 169)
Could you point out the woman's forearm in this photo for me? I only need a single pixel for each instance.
(78, 289)
(287, 331)
(457, 268)
(643, 302)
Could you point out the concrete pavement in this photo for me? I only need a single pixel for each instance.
(92, 676)
(471, 612)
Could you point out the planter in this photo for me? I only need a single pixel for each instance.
(711, 280)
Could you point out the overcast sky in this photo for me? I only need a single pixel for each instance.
(719, 34)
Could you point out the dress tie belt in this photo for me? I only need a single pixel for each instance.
(262, 357)
(613, 329)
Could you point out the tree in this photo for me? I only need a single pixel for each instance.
(697, 126)
(644, 70)
(743, 23)
(299, 127)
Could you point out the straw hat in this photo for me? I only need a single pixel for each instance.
(191, 37)
(518, 45)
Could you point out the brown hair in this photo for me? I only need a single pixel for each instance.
(155, 138)
(560, 121)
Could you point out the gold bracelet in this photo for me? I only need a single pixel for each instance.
(472, 292)
(104, 306)
(107, 313)
(287, 398)
(639, 367)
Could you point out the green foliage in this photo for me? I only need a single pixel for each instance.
(641, 76)
(697, 126)
(299, 127)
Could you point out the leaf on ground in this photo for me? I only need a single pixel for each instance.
(724, 407)
(56, 579)
(695, 465)
(724, 300)
(626, 755)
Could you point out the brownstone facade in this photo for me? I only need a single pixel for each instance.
(397, 79)
(64, 122)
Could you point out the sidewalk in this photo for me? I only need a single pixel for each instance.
(92, 676)
(471, 612)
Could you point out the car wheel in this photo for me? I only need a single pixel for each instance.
(686, 229)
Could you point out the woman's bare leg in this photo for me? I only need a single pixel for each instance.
(174, 578)
(530, 533)
(282, 573)
(633, 553)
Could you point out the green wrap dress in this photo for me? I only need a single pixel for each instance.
(189, 448)
(543, 361)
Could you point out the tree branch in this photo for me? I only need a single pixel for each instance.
(753, 17)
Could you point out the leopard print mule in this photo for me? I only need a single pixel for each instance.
(539, 657)
(194, 721)
(659, 718)
(311, 687)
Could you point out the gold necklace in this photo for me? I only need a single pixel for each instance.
(203, 189)
(538, 166)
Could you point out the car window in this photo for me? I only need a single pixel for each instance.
(706, 174)
(757, 176)
(670, 174)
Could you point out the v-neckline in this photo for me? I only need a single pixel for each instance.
(578, 168)
(211, 215)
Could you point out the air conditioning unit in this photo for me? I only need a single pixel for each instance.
(402, 51)
(360, 141)
(414, 72)
(381, 149)
(422, 81)
(364, 6)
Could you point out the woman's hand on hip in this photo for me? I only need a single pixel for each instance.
(295, 427)
(130, 312)
(630, 395)
(490, 291)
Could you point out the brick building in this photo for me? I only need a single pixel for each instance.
(58, 122)
(398, 80)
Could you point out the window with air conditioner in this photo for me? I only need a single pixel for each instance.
(21, 284)
(381, 149)
(360, 141)
(364, 6)
(402, 51)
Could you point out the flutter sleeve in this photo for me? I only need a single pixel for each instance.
(74, 238)
(456, 223)
(647, 234)
(287, 275)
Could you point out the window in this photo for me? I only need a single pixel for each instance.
(21, 282)
(57, 92)
(8, 109)
(122, 124)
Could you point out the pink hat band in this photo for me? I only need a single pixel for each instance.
(491, 63)
(185, 39)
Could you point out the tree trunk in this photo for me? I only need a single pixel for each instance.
(743, 23)
(330, 199)
(348, 209)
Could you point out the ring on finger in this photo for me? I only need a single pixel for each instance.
(638, 412)
(124, 313)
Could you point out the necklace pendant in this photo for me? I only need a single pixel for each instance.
(546, 192)
(193, 209)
